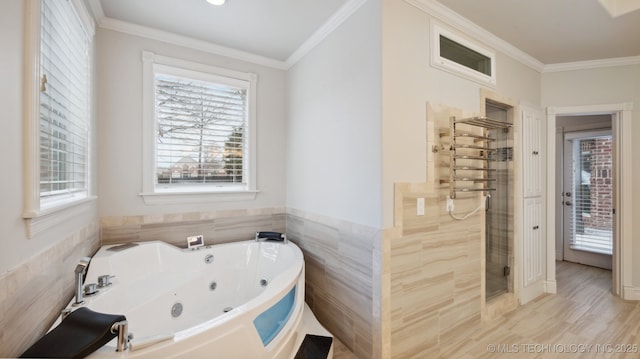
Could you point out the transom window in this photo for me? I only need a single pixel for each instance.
(199, 128)
(455, 54)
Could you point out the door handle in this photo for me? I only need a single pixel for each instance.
(567, 203)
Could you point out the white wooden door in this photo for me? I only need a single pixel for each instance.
(532, 152)
(534, 250)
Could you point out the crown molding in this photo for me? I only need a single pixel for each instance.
(431, 7)
(617, 8)
(179, 40)
(592, 64)
(185, 41)
(314, 40)
(463, 24)
(340, 16)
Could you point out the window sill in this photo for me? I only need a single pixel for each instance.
(40, 221)
(197, 197)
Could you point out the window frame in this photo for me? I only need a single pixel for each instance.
(41, 215)
(578, 197)
(442, 63)
(150, 194)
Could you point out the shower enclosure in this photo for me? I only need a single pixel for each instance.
(481, 160)
(499, 207)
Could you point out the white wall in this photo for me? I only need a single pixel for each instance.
(120, 126)
(333, 140)
(612, 85)
(409, 82)
(15, 247)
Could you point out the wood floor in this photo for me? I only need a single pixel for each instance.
(583, 320)
(340, 351)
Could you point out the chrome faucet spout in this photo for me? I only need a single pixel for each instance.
(80, 271)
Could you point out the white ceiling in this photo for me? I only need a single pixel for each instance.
(273, 29)
(556, 31)
(551, 31)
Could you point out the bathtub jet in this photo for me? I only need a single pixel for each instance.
(248, 302)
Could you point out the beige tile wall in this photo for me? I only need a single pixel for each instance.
(216, 227)
(32, 295)
(343, 267)
(433, 287)
(435, 272)
(339, 259)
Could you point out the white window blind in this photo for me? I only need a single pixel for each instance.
(592, 217)
(201, 129)
(64, 103)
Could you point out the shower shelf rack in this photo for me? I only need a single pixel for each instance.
(477, 152)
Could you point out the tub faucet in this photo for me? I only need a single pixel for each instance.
(80, 270)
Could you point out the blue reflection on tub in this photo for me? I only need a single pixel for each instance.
(270, 322)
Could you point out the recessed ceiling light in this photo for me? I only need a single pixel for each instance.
(216, 2)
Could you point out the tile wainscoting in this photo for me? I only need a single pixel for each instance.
(216, 227)
(339, 256)
(342, 263)
(435, 272)
(32, 294)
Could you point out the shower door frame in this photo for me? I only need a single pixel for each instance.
(508, 301)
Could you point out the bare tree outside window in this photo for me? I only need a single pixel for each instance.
(200, 128)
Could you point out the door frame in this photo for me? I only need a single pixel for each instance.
(621, 130)
(575, 255)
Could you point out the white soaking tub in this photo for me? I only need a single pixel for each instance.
(236, 300)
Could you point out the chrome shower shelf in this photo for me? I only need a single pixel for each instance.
(468, 168)
(469, 157)
(438, 148)
(477, 138)
(472, 189)
(469, 179)
(484, 122)
(472, 153)
(474, 147)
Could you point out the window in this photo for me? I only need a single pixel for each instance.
(457, 55)
(58, 119)
(198, 130)
(64, 104)
(591, 217)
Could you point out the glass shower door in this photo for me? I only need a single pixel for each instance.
(498, 209)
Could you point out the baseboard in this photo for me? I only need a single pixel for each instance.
(631, 293)
(550, 286)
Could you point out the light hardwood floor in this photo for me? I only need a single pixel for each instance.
(583, 320)
(340, 351)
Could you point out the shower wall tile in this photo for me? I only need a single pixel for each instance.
(32, 294)
(342, 277)
(216, 227)
(435, 272)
